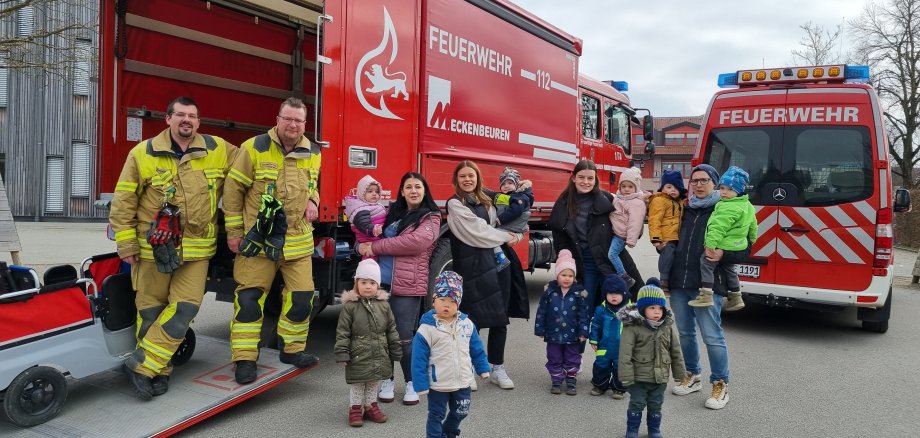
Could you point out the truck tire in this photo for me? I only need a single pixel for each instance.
(441, 260)
(186, 349)
(35, 396)
(876, 320)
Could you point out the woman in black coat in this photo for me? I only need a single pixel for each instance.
(580, 222)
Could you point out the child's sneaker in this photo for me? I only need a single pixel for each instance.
(501, 261)
(719, 396)
(735, 302)
(355, 416)
(410, 398)
(556, 388)
(617, 395)
(690, 383)
(703, 300)
(387, 390)
(597, 391)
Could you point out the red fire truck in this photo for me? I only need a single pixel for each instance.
(813, 140)
(391, 86)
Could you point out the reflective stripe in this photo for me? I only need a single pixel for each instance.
(125, 235)
(155, 349)
(233, 220)
(244, 343)
(601, 352)
(213, 173)
(292, 339)
(294, 327)
(255, 325)
(126, 186)
(241, 330)
(266, 174)
(243, 179)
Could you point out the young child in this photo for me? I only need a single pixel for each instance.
(648, 342)
(562, 322)
(512, 204)
(628, 219)
(366, 325)
(732, 227)
(444, 345)
(365, 212)
(665, 211)
(605, 338)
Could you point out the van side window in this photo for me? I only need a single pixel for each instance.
(590, 107)
(832, 164)
(617, 126)
(754, 149)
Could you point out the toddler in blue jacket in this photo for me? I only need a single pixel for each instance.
(605, 338)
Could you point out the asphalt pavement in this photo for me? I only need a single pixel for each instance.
(793, 373)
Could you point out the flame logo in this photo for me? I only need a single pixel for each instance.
(389, 32)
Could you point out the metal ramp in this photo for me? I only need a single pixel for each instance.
(104, 405)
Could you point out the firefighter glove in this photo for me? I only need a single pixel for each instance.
(165, 226)
(274, 242)
(252, 243)
(267, 211)
(166, 257)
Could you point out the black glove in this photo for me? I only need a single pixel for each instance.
(274, 242)
(166, 257)
(267, 211)
(252, 243)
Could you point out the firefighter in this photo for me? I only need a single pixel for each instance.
(164, 217)
(270, 200)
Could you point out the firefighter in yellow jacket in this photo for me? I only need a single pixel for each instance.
(270, 200)
(164, 216)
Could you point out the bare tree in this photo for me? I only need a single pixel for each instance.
(51, 36)
(818, 45)
(886, 36)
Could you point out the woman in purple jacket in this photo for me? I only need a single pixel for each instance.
(409, 235)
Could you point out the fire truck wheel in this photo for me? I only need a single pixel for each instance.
(876, 320)
(35, 396)
(186, 349)
(441, 260)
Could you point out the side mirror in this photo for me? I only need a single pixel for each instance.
(648, 125)
(901, 201)
(650, 148)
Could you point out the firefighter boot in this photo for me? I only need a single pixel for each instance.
(141, 384)
(703, 300)
(372, 413)
(301, 359)
(245, 371)
(159, 385)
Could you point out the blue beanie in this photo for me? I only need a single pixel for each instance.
(736, 179)
(711, 171)
(650, 295)
(614, 284)
(674, 178)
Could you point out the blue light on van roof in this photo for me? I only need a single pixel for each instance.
(857, 72)
(621, 86)
(728, 80)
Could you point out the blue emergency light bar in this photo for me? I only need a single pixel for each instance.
(620, 86)
(785, 75)
(857, 72)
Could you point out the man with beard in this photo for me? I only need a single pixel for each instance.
(164, 215)
(270, 200)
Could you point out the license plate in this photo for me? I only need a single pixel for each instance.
(750, 271)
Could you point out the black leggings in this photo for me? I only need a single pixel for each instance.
(496, 344)
(406, 312)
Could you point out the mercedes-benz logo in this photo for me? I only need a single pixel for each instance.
(779, 193)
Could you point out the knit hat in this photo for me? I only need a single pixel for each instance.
(736, 179)
(449, 284)
(510, 173)
(564, 261)
(711, 171)
(363, 183)
(633, 175)
(650, 295)
(614, 284)
(368, 269)
(674, 178)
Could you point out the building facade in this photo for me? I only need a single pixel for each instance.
(675, 143)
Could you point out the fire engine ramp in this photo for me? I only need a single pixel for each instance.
(104, 405)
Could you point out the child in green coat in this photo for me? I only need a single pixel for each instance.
(731, 227)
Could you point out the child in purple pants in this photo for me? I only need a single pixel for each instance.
(562, 321)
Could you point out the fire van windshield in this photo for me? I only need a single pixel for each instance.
(797, 165)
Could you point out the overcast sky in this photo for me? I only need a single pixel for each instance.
(671, 52)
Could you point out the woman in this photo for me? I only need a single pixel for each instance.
(685, 285)
(409, 235)
(486, 291)
(580, 222)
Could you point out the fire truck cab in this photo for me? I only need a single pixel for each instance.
(813, 141)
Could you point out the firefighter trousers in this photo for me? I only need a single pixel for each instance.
(255, 276)
(166, 305)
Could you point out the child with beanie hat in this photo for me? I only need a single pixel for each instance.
(366, 323)
(649, 332)
(365, 212)
(731, 227)
(445, 344)
(665, 211)
(605, 338)
(512, 205)
(627, 218)
(562, 321)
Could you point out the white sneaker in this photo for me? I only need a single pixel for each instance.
(410, 398)
(689, 384)
(500, 377)
(719, 396)
(385, 395)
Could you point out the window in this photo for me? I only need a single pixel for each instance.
(671, 139)
(754, 149)
(590, 117)
(826, 179)
(54, 184)
(4, 87)
(692, 138)
(83, 51)
(81, 168)
(639, 139)
(25, 21)
(682, 166)
(617, 122)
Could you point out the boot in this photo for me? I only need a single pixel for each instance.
(629, 281)
(570, 386)
(735, 302)
(654, 425)
(301, 359)
(160, 385)
(703, 300)
(245, 371)
(372, 413)
(354, 416)
(633, 421)
(141, 383)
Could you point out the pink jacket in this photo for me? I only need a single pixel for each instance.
(628, 216)
(411, 251)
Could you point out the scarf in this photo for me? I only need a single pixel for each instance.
(706, 202)
(654, 324)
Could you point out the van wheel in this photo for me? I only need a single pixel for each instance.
(35, 396)
(876, 320)
(441, 260)
(186, 349)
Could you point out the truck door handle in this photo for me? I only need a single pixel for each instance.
(794, 230)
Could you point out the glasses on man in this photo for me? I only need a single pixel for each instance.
(291, 120)
(191, 116)
(699, 182)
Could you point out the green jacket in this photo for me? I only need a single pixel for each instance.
(732, 225)
(648, 355)
(366, 338)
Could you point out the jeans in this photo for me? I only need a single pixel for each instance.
(616, 247)
(709, 320)
(458, 403)
(666, 259)
(406, 313)
(642, 394)
(591, 277)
